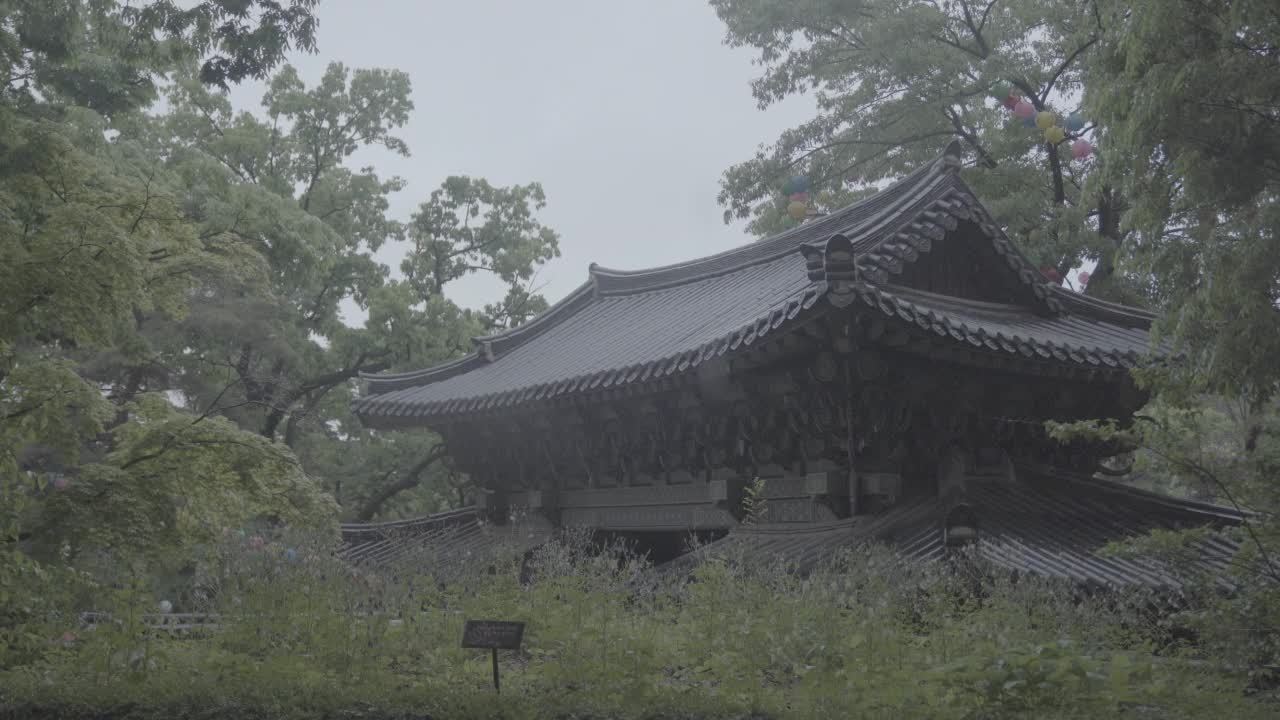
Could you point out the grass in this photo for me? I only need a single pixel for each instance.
(865, 636)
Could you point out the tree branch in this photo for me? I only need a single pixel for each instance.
(1044, 95)
(410, 480)
(281, 408)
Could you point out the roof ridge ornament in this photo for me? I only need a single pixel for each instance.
(952, 157)
(834, 264)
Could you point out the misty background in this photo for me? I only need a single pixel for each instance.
(627, 113)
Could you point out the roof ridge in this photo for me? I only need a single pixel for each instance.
(554, 313)
(625, 282)
(1115, 312)
(1222, 511)
(907, 292)
(617, 281)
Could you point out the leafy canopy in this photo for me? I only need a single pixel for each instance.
(895, 80)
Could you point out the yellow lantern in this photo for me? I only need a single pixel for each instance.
(797, 210)
(1045, 119)
(1055, 135)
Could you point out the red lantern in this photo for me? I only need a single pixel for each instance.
(1010, 102)
(1024, 109)
(1052, 275)
(1081, 149)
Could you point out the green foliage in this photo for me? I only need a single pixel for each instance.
(895, 80)
(1226, 453)
(278, 358)
(1186, 95)
(310, 637)
(754, 505)
(246, 37)
(468, 225)
(171, 335)
(93, 245)
(108, 56)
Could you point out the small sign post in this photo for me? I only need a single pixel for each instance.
(494, 635)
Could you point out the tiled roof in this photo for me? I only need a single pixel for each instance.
(1046, 523)
(631, 327)
(443, 543)
(1082, 339)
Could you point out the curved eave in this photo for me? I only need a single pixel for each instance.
(961, 321)
(393, 410)
(1067, 343)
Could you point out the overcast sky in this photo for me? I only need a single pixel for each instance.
(626, 112)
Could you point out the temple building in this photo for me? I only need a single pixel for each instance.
(880, 373)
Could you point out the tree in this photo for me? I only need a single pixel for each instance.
(107, 56)
(895, 80)
(277, 357)
(93, 242)
(1188, 93)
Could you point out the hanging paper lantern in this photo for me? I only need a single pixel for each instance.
(291, 555)
(60, 482)
(1029, 121)
(824, 198)
(1001, 90)
(1045, 119)
(1083, 277)
(1075, 122)
(1081, 149)
(797, 184)
(1010, 102)
(1054, 135)
(800, 197)
(166, 607)
(797, 210)
(1052, 275)
(1024, 109)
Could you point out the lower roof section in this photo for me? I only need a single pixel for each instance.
(443, 544)
(1046, 523)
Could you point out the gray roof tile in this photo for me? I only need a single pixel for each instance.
(628, 327)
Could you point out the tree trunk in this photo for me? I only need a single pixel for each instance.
(410, 480)
(1108, 227)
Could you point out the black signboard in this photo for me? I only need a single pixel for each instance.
(492, 634)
